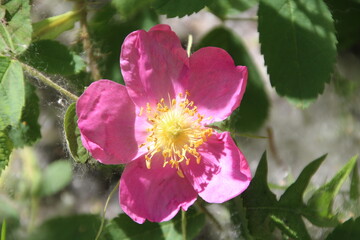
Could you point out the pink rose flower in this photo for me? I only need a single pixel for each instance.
(158, 125)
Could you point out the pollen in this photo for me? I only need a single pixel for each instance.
(176, 132)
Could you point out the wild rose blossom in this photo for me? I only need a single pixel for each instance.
(158, 125)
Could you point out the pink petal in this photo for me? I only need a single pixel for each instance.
(234, 175)
(153, 64)
(199, 175)
(230, 176)
(155, 194)
(216, 85)
(106, 119)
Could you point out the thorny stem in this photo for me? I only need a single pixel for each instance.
(104, 211)
(183, 224)
(209, 215)
(48, 82)
(85, 37)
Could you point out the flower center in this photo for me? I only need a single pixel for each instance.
(176, 132)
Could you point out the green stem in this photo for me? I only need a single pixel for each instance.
(242, 18)
(104, 211)
(209, 215)
(183, 224)
(48, 82)
(33, 212)
(3, 230)
(237, 134)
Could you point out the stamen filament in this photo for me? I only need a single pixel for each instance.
(177, 132)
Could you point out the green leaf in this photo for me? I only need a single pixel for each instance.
(15, 27)
(254, 108)
(224, 8)
(264, 212)
(180, 8)
(349, 230)
(129, 8)
(6, 147)
(76, 227)
(299, 46)
(12, 92)
(259, 201)
(293, 196)
(53, 57)
(288, 217)
(56, 176)
(125, 228)
(354, 185)
(321, 201)
(51, 28)
(73, 138)
(27, 131)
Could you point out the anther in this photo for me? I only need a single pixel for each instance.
(180, 173)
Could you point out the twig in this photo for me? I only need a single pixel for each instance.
(48, 82)
(272, 146)
(85, 38)
(104, 211)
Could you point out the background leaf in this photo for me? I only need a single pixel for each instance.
(346, 14)
(254, 107)
(76, 227)
(27, 131)
(56, 176)
(349, 230)
(258, 201)
(238, 216)
(6, 147)
(15, 27)
(129, 8)
(124, 228)
(355, 184)
(180, 8)
(322, 199)
(73, 138)
(51, 28)
(12, 92)
(224, 8)
(299, 46)
(53, 57)
(287, 212)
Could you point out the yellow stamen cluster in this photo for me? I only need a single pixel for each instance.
(176, 132)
